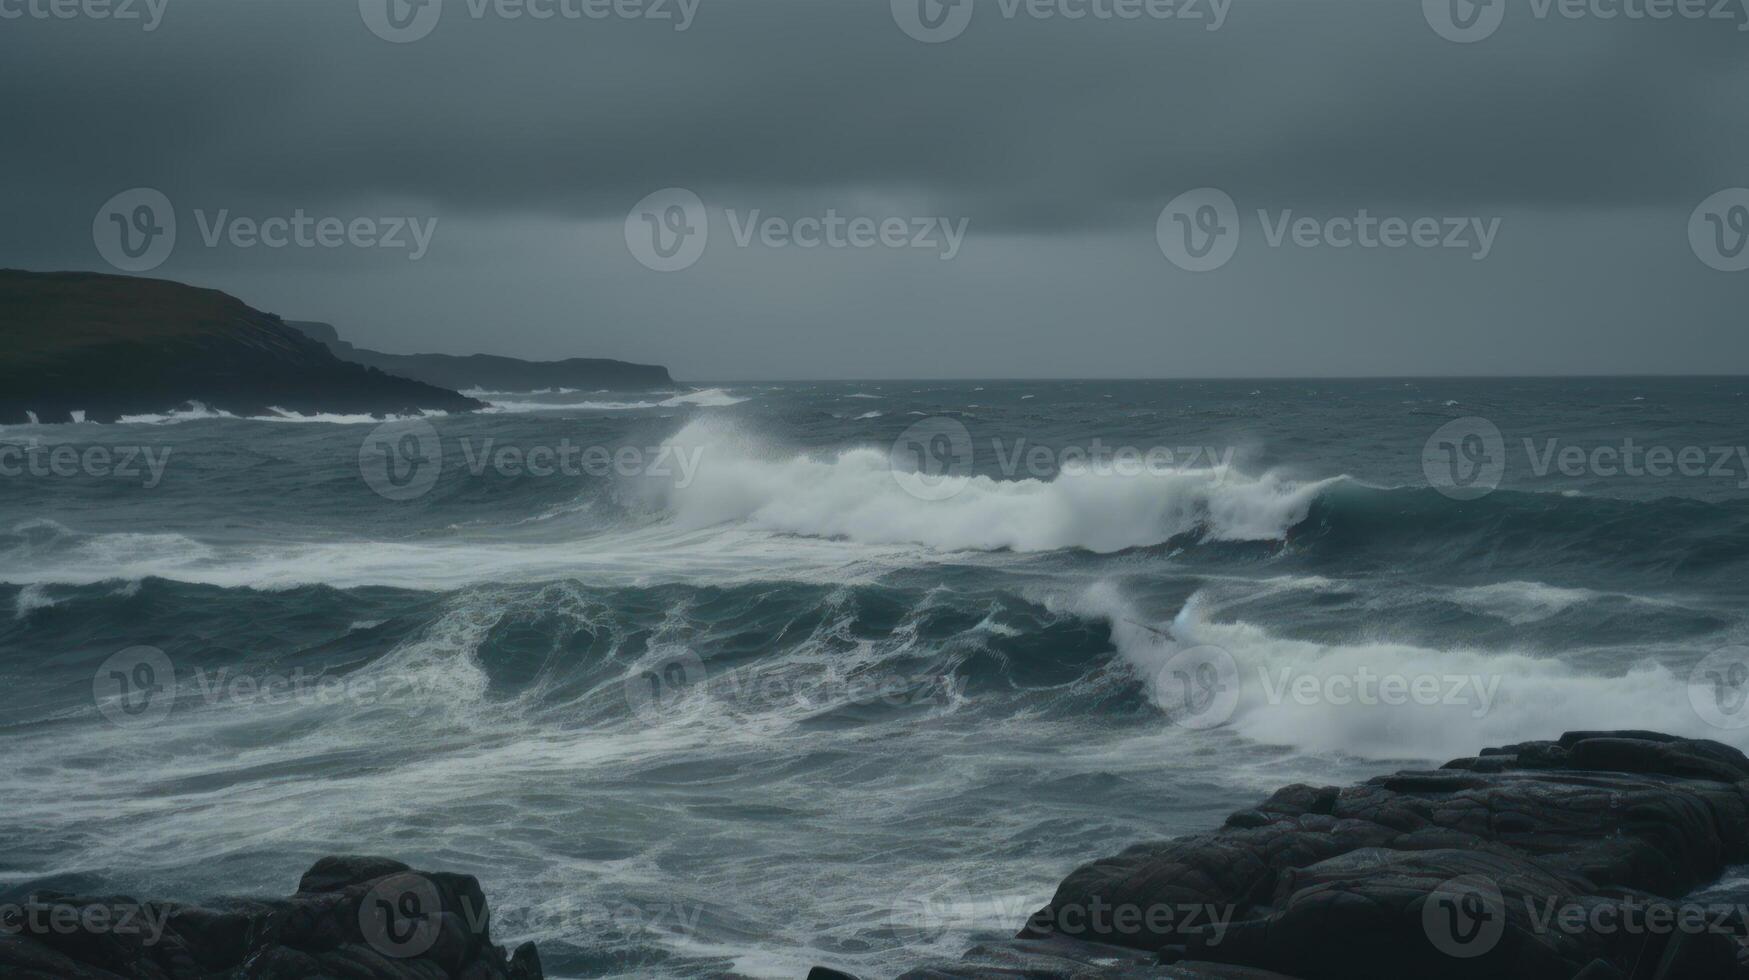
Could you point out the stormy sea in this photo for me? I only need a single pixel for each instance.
(734, 680)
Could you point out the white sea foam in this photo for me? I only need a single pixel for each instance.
(704, 398)
(1531, 696)
(853, 494)
(193, 412)
(30, 599)
(1520, 603)
(197, 412)
(751, 512)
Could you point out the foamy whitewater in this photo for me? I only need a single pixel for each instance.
(725, 703)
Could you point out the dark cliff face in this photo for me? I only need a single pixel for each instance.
(109, 346)
(495, 373)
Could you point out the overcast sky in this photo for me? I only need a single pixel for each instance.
(1572, 152)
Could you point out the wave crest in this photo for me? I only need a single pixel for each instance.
(853, 494)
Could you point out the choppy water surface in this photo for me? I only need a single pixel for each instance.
(778, 704)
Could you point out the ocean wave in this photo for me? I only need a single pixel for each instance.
(853, 494)
(1480, 697)
(1669, 536)
(704, 398)
(30, 599)
(195, 411)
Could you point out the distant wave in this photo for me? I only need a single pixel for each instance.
(853, 494)
(705, 398)
(195, 411)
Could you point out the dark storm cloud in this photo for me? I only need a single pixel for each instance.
(1044, 129)
(1036, 123)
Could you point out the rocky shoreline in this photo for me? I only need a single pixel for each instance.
(352, 917)
(1598, 856)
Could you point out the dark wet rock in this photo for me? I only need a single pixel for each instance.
(1594, 856)
(352, 917)
(334, 873)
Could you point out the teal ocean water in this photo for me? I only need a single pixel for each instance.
(719, 682)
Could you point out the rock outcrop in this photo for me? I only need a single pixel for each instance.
(352, 917)
(492, 372)
(1595, 857)
(81, 344)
